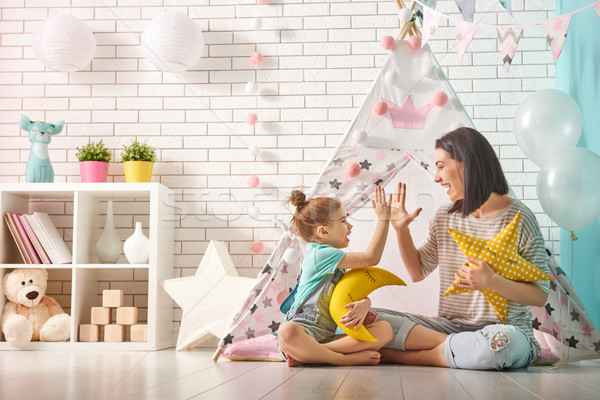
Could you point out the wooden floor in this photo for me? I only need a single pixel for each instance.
(186, 375)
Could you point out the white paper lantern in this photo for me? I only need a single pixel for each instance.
(64, 43)
(173, 42)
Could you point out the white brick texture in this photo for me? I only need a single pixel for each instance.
(320, 58)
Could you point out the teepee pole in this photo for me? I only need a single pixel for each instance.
(217, 354)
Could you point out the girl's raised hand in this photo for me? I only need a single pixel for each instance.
(400, 218)
(380, 205)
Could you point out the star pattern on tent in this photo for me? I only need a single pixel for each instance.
(390, 167)
(338, 162)
(266, 269)
(573, 342)
(587, 330)
(501, 254)
(378, 182)
(253, 308)
(250, 333)
(365, 164)
(228, 339)
(335, 184)
(274, 326)
(596, 346)
(552, 286)
(560, 271)
(574, 315)
(549, 308)
(362, 187)
(536, 324)
(267, 302)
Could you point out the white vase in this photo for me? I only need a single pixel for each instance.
(108, 245)
(136, 246)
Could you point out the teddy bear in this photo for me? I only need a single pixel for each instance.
(29, 314)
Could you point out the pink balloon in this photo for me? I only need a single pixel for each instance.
(352, 170)
(440, 99)
(257, 246)
(414, 42)
(380, 107)
(253, 181)
(256, 58)
(251, 118)
(388, 43)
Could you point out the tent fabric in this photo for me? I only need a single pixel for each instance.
(382, 145)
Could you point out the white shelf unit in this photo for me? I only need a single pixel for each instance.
(79, 209)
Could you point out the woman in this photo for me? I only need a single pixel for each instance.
(467, 167)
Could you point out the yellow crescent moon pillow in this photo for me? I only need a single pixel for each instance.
(355, 285)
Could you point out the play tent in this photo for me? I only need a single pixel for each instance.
(410, 104)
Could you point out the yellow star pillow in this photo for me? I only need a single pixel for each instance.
(501, 255)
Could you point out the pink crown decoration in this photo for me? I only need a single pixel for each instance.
(407, 116)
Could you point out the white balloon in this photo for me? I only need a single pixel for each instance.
(546, 122)
(405, 15)
(254, 212)
(359, 136)
(291, 256)
(568, 189)
(251, 87)
(391, 78)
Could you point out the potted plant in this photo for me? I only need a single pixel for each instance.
(93, 162)
(138, 160)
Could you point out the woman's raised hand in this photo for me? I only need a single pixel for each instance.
(400, 218)
(380, 205)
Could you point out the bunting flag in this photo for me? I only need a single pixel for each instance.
(508, 38)
(507, 5)
(424, 4)
(430, 24)
(467, 9)
(556, 33)
(464, 34)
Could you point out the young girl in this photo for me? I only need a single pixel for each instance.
(309, 333)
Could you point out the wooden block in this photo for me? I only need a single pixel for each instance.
(112, 298)
(101, 315)
(127, 315)
(139, 333)
(89, 333)
(114, 333)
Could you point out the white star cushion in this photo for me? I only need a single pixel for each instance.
(210, 298)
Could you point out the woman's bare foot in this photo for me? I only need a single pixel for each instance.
(364, 357)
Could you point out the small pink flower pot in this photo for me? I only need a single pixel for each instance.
(93, 171)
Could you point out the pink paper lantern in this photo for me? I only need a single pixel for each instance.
(414, 42)
(256, 58)
(352, 170)
(440, 99)
(253, 181)
(251, 118)
(257, 246)
(380, 107)
(388, 43)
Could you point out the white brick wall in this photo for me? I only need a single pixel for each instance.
(320, 59)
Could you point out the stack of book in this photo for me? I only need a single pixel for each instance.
(37, 239)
